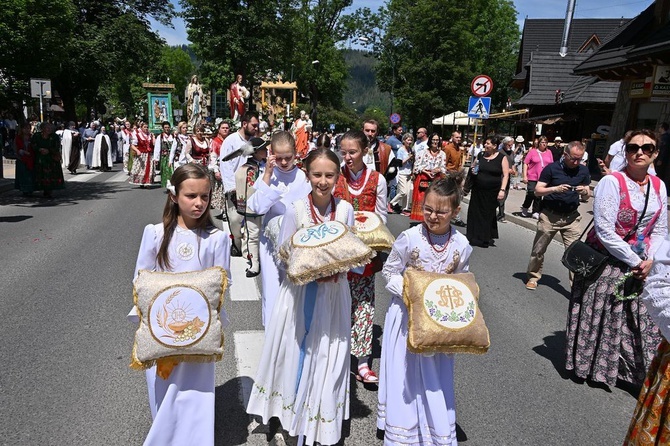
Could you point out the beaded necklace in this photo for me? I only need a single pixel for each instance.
(432, 245)
(316, 217)
(356, 184)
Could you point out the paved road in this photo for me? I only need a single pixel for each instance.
(64, 376)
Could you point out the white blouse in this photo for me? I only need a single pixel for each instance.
(656, 294)
(606, 207)
(412, 249)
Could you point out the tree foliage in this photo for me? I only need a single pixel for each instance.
(269, 38)
(429, 51)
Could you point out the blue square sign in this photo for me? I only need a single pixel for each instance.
(479, 108)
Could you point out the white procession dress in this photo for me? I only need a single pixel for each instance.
(271, 202)
(182, 406)
(417, 404)
(97, 151)
(312, 400)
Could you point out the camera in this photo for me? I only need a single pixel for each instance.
(573, 188)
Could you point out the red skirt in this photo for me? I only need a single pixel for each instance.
(421, 183)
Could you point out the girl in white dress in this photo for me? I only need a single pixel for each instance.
(417, 405)
(303, 375)
(281, 184)
(181, 396)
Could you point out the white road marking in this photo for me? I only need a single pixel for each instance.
(83, 176)
(119, 177)
(248, 350)
(243, 288)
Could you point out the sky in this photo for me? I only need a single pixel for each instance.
(534, 9)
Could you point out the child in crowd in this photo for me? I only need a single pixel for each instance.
(282, 183)
(181, 396)
(303, 375)
(416, 392)
(365, 189)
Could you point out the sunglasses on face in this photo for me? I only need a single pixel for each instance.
(572, 158)
(647, 149)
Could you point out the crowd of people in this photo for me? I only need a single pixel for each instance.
(316, 334)
(266, 187)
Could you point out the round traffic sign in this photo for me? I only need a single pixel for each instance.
(481, 85)
(395, 118)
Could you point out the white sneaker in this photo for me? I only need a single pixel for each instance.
(536, 216)
(525, 212)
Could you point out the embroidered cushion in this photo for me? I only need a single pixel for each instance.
(443, 312)
(179, 316)
(321, 251)
(371, 230)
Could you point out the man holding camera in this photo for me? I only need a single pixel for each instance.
(561, 184)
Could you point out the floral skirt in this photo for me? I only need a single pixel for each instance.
(651, 420)
(142, 170)
(218, 197)
(166, 170)
(362, 313)
(608, 339)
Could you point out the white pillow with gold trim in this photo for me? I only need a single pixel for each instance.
(179, 316)
(372, 231)
(322, 251)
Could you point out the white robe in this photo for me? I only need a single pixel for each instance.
(96, 161)
(66, 146)
(417, 404)
(271, 202)
(182, 406)
(311, 401)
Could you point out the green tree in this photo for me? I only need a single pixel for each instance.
(269, 38)
(429, 51)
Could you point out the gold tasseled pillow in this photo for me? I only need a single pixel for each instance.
(372, 231)
(179, 316)
(444, 315)
(321, 251)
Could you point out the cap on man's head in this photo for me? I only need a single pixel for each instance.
(520, 139)
(558, 138)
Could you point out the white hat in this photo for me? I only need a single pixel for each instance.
(558, 138)
(520, 139)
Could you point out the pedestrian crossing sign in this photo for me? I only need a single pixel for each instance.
(479, 107)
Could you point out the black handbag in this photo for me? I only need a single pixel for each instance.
(581, 258)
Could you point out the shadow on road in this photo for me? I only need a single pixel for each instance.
(231, 421)
(71, 195)
(548, 281)
(554, 350)
(15, 218)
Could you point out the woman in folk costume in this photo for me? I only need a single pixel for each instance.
(610, 336)
(179, 144)
(181, 395)
(197, 148)
(218, 198)
(282, 183)
(303, 373)
(429, 166)
(417, 404)
(650, 424)
(365, 189)
(142, 145)
(162, 149)
(127, 136)
(102, 151)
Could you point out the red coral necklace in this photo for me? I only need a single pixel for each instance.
(432, 245)
(316, 217)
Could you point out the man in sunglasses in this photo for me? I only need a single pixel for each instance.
(561, 184)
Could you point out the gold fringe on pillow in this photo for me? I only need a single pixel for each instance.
(331, 269)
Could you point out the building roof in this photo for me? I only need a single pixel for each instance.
(625, 55)
(544, 35)
(550, 72)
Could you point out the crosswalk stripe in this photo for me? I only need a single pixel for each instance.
(248, 350)
(83, 177)
(243, 288)
(119, 177)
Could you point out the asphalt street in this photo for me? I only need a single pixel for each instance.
(66, 290)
